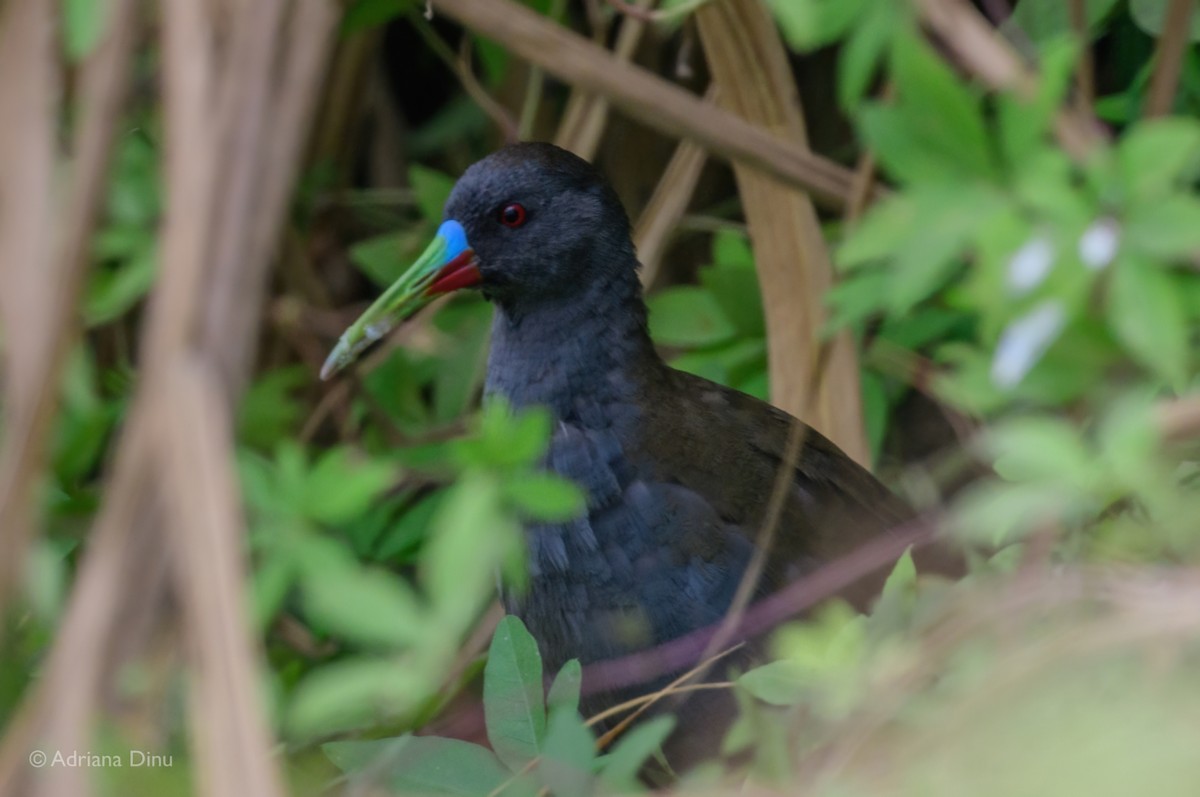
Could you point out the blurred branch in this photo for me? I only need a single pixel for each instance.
(668, 204)
(649, 99)
(228, 177)
(1168, 58)
(204, 516)
(1084, 80)
(586, 114)
(1179, 420)
(44, 254)
(460, 65)
(982, 51)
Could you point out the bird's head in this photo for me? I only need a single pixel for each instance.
(529, 224)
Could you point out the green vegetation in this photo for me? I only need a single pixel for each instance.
(1028, 289)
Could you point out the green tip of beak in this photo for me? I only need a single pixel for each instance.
(414, 289)
(348, 347)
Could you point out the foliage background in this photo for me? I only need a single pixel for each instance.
(972, 259)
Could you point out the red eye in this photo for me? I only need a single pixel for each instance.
(512, 215)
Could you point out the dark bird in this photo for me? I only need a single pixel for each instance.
(677, 470)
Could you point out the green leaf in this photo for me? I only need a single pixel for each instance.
(566, 767)
(780, 683)
(996, 513)
(269, 587)
(1040, 449)
(1045, 19)
(951, 219)
(432, 189)
(339, 488)
(876, 407)
(467, 323)
(113, 291)
(1025, 121)
(364, 14)
(82, 26)
(1145, 311)
(807, 24)
(831, 641)
(855, 299)
(732, 248)
(270, 410)
(46, 579)
(899, 590)
(364, 605)
(351, 693)
(935, 106)
(421, 765)
(404, 535)
(688, 316)
(923, 328)
(862, 52)
(564, 692)
(735, 289)
(886, 227)
(513, 706)
(1158, 155)
(622, 765)
(546, 497)
(134, 195)
(902, 150)
(472, 538)
(85, 420)
(505, 439)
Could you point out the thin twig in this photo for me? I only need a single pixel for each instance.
(662, 105)
(460, 65)
(1168, 58)
(586, 115)
(983, 52)
(803, 594)
(1085, 81)
(670, 689)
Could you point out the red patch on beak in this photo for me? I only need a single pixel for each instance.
(461, 272)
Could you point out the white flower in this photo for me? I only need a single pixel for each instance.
(1098, 244)
(1024, 341)
(1030, 264)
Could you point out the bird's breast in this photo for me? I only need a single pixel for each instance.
(649, 561)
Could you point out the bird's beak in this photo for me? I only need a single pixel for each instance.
(446, 265)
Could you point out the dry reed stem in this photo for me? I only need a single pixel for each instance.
(648, 99)
(750, 66)
(213, 161)
(586, 115)
(1168, 58)
(1085, 80)
(667, 206)
(203, 513)
(43, 257)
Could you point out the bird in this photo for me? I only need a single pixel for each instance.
(677, 470)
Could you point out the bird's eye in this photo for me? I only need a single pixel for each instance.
(512, 215)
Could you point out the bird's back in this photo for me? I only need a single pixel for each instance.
(678, 477)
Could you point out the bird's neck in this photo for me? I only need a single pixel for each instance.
(570, 354)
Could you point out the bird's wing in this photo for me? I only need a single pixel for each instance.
(729, 447)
